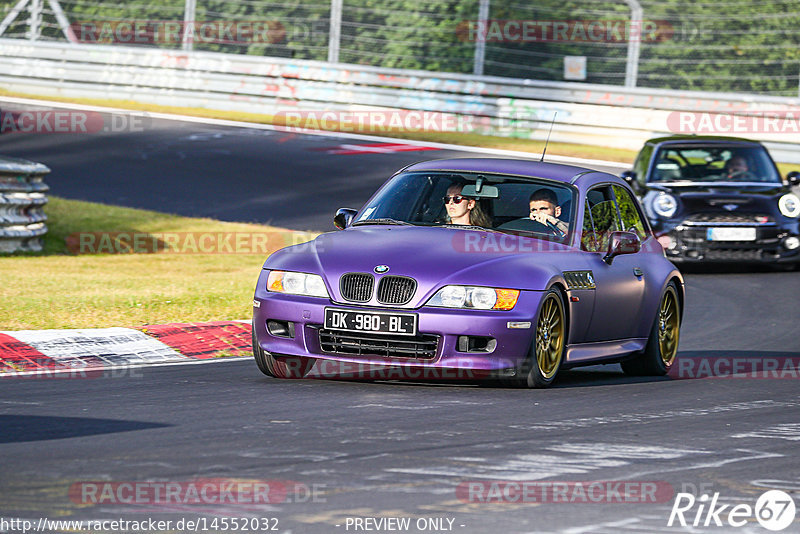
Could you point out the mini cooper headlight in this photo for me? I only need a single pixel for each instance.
(310, 285)
(477, 298)
(664, 205)
(789, 205)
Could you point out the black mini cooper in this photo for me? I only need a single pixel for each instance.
(718, 199)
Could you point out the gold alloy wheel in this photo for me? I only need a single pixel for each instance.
(550, 336)
(668, 327)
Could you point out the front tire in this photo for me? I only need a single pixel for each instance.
(278, 366)
(662, 345)
(547, 350)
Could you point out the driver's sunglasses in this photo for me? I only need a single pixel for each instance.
(456, 199)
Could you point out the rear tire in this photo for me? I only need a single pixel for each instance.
(549, 343)
(278, 366)
(662, 345)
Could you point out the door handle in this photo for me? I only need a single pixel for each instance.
(638, 272)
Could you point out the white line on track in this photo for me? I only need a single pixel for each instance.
(340, 135)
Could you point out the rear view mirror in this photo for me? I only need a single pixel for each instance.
(486, 191)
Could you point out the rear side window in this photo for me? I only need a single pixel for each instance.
(631, 218)
(641, 164)
(600, 218)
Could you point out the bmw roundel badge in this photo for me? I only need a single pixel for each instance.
(380, 269)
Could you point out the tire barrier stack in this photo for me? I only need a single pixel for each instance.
(22, 199)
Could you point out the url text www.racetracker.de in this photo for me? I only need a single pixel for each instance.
(149, 525)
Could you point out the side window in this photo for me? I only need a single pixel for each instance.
(631, 218)
(600, 218)
(641, 164)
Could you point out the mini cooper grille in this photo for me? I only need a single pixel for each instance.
(396, 289)
(421, 347)
(356, 287)
(579, 279)
(732, 254)
(728, 218)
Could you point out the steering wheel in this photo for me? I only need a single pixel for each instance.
(742, 176)
(548, 228)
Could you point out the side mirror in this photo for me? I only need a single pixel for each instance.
(343, 217)
(628, 176)
(793, 178)
(622, 243)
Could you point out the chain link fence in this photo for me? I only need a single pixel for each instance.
(742, 46)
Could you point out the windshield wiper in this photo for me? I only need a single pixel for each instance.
(385, 220)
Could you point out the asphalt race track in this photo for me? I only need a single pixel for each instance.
(336, 451)
(232, 174)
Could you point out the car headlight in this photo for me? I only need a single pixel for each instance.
(789, 205)
(310, 285)
(664, 205)
(478, 298)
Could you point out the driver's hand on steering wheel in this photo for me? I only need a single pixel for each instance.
(558, 226)
(543, 218)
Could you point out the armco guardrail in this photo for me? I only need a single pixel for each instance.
(589, 114)
(22, 197)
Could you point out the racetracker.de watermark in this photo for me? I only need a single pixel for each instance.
(48, 370)
(362, 371)
(741, 123)
(187, 242)
(201, 491)
(572, 492)
(736, 367)
(64, 121)
(373, 121)
(472, 242)
(151, 32)
(564, 31)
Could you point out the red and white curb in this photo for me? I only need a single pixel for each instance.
(45, 352)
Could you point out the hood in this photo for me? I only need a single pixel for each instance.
(723, 199)
(432, 256)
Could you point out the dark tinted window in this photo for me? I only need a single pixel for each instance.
(713, 163)
(631, 219)
(600, 218)
(642, 161)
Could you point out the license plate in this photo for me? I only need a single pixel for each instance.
(731, 234)
(377, 322)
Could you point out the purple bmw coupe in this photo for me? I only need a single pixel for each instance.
(499, 268)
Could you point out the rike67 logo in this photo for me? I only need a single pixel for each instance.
(774, 510)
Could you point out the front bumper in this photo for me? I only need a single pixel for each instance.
(442, 329)
(690, 243)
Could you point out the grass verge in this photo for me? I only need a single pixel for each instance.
(57, 289)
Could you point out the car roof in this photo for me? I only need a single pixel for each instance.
(701, 139)
(517, 167)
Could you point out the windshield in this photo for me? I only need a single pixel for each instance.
(714, 164)
(536, 207)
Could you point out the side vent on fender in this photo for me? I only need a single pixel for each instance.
(579, 279)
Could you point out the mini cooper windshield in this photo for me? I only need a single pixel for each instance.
(537, 207)
(693, 163)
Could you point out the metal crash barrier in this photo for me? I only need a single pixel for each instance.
(589, 114)
(22, 198)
